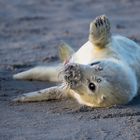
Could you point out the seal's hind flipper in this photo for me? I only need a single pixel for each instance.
(99, 33)
(65, 52)
(52, 93)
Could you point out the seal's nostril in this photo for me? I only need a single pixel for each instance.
(66, 77)
(71, 67)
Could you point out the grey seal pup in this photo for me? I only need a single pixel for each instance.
(104, 72)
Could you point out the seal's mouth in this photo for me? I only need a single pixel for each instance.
(71, 75)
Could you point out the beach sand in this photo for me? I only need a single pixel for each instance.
(30, 33)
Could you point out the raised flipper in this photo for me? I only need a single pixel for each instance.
(99, 33)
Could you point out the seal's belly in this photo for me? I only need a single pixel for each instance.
(84, 55)
(83, 59)
(89, 53)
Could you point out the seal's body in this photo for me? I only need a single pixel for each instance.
(102, 73)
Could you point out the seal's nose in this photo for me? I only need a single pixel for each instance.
(72, 74)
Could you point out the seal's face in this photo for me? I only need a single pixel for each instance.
(99, 84)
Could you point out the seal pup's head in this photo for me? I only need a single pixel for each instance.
(100, 84)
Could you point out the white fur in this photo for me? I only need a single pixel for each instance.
(41, 73)
(119, 49)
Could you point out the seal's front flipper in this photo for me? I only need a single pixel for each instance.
(40, 73)
(99, 33)
(65, 52)
(52, 93)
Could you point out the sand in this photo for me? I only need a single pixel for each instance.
(30, 32)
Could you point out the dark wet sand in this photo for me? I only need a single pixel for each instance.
(30, 32)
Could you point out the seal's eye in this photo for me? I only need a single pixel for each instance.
(92, 86)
